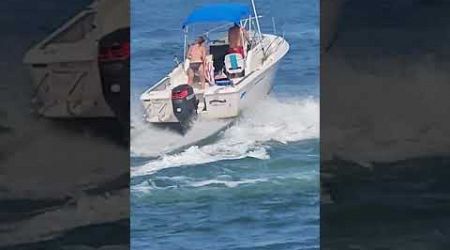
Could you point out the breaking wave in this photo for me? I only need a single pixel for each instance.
(273, 120)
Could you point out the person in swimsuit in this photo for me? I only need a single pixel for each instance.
(235, 41)
(197, 55)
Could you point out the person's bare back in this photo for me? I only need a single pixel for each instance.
(234, 37)
(197, 56)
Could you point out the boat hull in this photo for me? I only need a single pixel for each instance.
(64, 66)
(259, 88)
(223, 102)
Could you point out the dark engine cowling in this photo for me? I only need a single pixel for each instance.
(114, 66)
(184, 105)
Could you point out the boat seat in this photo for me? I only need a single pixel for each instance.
(234, 64)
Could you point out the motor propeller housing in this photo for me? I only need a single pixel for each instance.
(185, 104)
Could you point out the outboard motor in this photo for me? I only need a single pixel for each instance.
(184, 105)
(114, 66)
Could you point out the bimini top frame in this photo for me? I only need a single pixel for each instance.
(221, 12)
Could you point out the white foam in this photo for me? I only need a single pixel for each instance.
(150, 141)
(173, 182)
(229, 184)
(282, 121)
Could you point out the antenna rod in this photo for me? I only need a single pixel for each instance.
(257, 20)
(185, 43)
(274, 26)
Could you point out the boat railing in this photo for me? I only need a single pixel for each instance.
(244, 22)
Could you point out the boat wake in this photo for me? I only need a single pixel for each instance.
(272, 120)
(162, 182)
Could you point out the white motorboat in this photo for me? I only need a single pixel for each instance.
(237, 83)
(82, 68)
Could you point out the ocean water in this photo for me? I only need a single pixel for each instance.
(254, 185)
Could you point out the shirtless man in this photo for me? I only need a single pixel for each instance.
(235, 39)
(197, 55)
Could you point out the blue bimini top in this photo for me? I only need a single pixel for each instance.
(221, 12)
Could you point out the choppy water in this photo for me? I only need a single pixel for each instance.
(254, 186)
